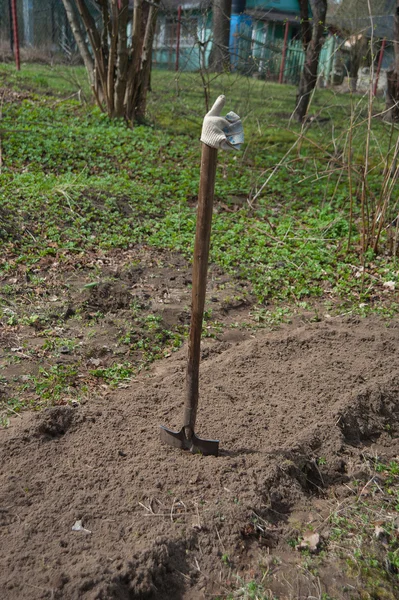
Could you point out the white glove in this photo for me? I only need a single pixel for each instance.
(222, 132)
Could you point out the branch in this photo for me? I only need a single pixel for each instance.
(95, 41)
(112, 56)
(79, 38)
(121, 78)
(135, 55)
(106, 32)
(146, 56)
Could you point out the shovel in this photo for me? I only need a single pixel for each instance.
(223, 133)
(186, 438)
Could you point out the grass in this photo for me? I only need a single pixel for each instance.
(358, 553)
(74, 183)
(251, 590)
(362, 539)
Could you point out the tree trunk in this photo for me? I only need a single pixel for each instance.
(219, 58)
(100, 58)
(146, 61)
(121, 74)
(79, 38)
(123, 60)
(306, 29)
(309, 74)
(137, 40)
(392, 102)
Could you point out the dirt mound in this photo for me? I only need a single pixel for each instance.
(56, 421)
(294, 410)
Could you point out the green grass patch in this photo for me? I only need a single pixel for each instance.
(73, 181)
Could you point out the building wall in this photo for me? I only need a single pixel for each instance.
(255, 46)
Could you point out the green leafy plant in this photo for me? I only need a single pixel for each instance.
(54, 384)
(116, 374)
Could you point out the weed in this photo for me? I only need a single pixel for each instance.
(225, 559)
(251, 590)
(270, 318)
(4, 421)
(59, 346)
(151, 338)
(53, 385)
(366, 547)
(116, 374)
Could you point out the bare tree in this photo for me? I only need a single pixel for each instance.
(312, 48)
(118, 65)
(219, 59)
(392, 103)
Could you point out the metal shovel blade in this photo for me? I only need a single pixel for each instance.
(195, 445)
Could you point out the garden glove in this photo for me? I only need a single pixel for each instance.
(222, 132)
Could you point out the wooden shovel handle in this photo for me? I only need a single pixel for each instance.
(200, 268)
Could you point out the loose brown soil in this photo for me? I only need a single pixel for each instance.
(297, 412)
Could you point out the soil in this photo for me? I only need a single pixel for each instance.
(76, 312)
(297, 412)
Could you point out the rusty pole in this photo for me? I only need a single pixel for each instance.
(282, 66)
(178, 38)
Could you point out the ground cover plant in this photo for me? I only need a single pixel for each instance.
(96, 229)
(75, 184)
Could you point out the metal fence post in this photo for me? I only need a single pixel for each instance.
(282, 66)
